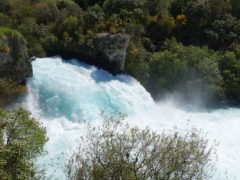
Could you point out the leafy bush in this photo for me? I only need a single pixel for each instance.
(45, 12)
(224, 32)
(184, 68)
(195, 12)
(166, 70)
(117, 151)
(9, 91)
(230, 69)
(4, 31)
(136, 62)
(22, 139)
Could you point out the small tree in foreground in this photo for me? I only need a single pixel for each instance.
(117, 151)
(22, 139)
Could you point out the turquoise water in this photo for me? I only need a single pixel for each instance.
(64, 95)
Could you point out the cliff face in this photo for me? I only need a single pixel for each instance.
(112, 51)
(15, 64)
(107, 52)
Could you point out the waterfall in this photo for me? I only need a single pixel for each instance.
(63, 95)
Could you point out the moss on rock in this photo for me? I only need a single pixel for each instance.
(15, 64)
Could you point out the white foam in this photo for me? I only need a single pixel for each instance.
(63, 95)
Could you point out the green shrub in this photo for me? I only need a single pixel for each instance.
(45, 12)
(230, 69)
(117, 151)
(224, 32)
(184, 68)
(6, 31)
(136, 62)
(22, 139)
(9, 91)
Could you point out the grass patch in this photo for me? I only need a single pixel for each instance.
(6, 31)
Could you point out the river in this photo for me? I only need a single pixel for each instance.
(64, 95)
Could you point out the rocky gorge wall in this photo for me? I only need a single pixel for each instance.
(108, 52)
(15, 64)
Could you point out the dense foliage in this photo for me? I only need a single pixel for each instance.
(206, 32)
(117, 151)
(9, 91)
(190, 70)
(22, 139)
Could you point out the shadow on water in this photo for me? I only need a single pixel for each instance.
(101, 75)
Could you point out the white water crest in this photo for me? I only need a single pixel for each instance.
(63, 95)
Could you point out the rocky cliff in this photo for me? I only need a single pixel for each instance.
(108, 52)
(111, 50)
(15, 64)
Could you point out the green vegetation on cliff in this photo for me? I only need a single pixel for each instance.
(9, 91)
(5, 32)
(15, 64)
(206, 33)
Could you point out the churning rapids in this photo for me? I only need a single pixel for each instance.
(63, 95)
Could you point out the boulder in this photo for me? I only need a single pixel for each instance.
(15, 64)
(111, 51)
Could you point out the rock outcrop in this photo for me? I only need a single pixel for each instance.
(111, 51)
(15, 64)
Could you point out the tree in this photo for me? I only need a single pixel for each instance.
(33, 32)
(218, 8)
(117, 151)
(22, 139)
(93, 16)
(196, 13)
(136, 61)
(235, 8)
(160, 28)
(118, 6)
(158, 7)
(166, 70)
(230, 69)
(45, 12)
(70, 25)
(224, 32)
(182, 68)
